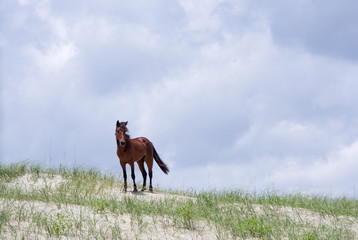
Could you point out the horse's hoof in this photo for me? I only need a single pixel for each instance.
(124, 190)
(143, 189)
(151, 190)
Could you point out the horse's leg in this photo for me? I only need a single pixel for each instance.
(124, 176)
(144, 173)
(133, 177)
(150, 180)
(149, 162)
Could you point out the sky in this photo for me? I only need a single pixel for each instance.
(257, 95)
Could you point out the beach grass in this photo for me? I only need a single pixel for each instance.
(38, 202)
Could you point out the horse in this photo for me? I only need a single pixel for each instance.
(138, 150)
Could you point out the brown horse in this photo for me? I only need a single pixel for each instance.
(138, 150)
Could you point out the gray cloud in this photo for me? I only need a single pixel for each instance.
(322, 27)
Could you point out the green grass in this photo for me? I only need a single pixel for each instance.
(87, 204)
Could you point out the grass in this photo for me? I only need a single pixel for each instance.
(86, 203)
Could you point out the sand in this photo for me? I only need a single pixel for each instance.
(81, 222)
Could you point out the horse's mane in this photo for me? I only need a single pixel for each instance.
(127, 135)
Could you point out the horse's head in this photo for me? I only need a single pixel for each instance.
(121, 133)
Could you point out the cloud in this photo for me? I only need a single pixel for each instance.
(335, 173)
(321, 27)
(201, 15)
(23, 2)
(54, 58)
(285, 139)
(332, 174)
(224, 99)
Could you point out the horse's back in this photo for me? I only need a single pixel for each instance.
(142, 140)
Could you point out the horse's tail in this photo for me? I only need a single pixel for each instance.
(161, 164)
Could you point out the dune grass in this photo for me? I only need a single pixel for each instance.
(87, 204)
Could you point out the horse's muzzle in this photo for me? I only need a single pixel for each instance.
(122, 144)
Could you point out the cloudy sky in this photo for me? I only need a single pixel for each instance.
(233, 93)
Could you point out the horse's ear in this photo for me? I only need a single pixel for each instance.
(125, 123)
(117, 123)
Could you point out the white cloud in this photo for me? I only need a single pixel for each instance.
(285, 139)
(54, 58)
(201, 15)
(100, 30)
(23, 2)
(335, 173)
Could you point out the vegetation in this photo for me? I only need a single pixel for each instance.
(52, 203)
